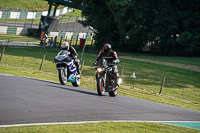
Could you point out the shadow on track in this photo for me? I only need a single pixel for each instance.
(75, 90)
(64, 87)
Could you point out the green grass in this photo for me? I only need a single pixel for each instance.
(26, 22)
(182, 60)
(36, 5)
(19, 38)
(103, 127)
(181, 88)
(71, 17)
(75, 13)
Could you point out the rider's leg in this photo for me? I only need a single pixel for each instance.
(77, 66)
(116, 74)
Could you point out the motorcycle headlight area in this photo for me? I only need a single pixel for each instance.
(99, 70)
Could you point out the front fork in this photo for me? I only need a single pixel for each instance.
(64, 69)
(102, 76)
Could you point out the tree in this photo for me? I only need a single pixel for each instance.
(169, 27)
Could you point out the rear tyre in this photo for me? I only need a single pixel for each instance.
(77, 81)
(100, 87)
(62, 76)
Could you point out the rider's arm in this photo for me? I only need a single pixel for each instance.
(99, 56)
(73, 51)
(115, 57)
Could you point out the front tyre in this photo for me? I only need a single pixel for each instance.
(113, 93)
(62, 74)
(100, 86)
(77, 81)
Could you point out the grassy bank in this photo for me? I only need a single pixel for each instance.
(36, 5)
(19, 38)
(181, 87)
(104, 127)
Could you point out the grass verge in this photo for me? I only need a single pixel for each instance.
(19, 38)
(103, 127)
(36, 5)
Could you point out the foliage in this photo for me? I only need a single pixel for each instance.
(167, 27)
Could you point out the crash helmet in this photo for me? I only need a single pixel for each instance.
(65, 46)
(107, 48)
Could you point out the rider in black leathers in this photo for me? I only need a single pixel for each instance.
(111, 57)
(73, 54)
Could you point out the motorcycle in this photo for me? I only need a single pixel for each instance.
(67, 71)
(105, 78)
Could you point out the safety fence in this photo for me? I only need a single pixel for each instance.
(31, 19)
(26, 18)
(29, 14)
(52, 41)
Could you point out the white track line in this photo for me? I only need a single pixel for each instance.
(82, 122)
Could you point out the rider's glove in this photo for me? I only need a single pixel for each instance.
(115, 62)
(75, 56)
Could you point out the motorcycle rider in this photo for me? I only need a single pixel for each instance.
(111, 57)
(73, 54)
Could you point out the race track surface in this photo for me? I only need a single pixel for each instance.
(25, 100)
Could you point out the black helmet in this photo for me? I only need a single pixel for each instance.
(107, 48)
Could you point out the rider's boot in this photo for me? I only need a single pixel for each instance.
(117, 79)
(78, 69)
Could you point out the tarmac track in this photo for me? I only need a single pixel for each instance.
(25, 100)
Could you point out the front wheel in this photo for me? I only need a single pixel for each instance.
(62, 74)
(100, 86)
(113, 93)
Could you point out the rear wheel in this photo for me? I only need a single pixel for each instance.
(62, 74)
(77, 81)
(100, 87)
(113, 93)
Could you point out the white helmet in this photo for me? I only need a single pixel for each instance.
(65, 45)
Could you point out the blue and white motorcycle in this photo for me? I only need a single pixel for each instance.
(67, 71)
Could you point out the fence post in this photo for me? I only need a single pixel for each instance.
(42, 62)
(2, 54)
(71, 40)
(76, 40)
(23, 61)
(51, 42)
(163, 81)
(60, 41)
(121, 72)
(82, 64)
(55, 41)
(92, 41)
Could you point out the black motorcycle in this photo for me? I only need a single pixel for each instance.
(67, 71)
(105, 78)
